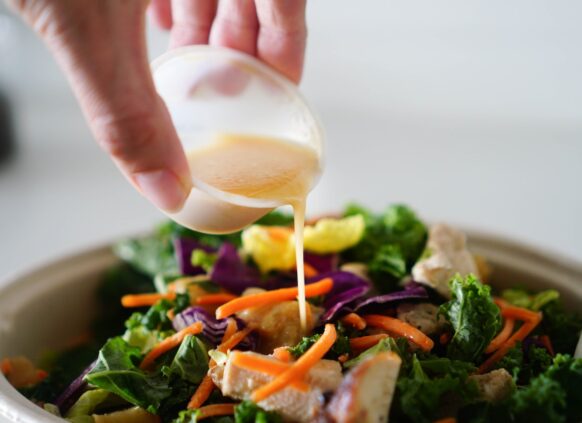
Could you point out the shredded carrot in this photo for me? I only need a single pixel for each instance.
(309, 271)
(398, 327)
(501, 336)
(343, 358)
(282, 354)
(354, 320)
(365, 342)
(299, 368)
(6, 366)
(169, 343)
(519, 335)
(279, 233)
(215, 410)
(260, 364)
(445, 338)
(171, 314)
(202, 393)
(270, 297)
(446, 420)
(547, 343)
(41, 375)
(501, 303)
(234, 340)
(231, 328)
(519, 313)
(144, 300)
(215, 299)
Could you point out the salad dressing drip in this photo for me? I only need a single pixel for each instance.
(238, 167)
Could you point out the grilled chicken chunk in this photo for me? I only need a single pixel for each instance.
(366, 393)
(494, 386)
(448, 256)
(423, 316)
(294, 405)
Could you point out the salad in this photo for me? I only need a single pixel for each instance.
(402, 326)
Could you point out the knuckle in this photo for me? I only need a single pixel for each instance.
(126, 137)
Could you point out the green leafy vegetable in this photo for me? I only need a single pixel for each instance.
(419, 397)
(553, 396)
(117, 372)
(392, 243)
(249, 412)
(187, 416)
(190, 362)
(203, 259)
(399, 346)
(474, 317)
(522, 298)
(340, 346)
(512, 361)
(90, 402)
(276, 218)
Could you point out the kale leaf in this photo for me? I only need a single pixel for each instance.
(341, 345)
(474, 317)
(392, 243)
(249, 412)
(419, 397)
(562, 327)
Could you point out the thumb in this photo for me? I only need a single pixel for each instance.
(101, 47)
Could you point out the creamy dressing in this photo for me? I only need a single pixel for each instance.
(261, 168)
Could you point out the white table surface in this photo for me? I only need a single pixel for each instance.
(471, 112)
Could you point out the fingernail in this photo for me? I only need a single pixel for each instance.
(162, 188)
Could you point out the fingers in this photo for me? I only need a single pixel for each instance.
(110, 75)
(192, 20)
(236, 26)
(161, 13)
(282, 35)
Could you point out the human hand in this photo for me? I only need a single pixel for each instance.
(101, 47)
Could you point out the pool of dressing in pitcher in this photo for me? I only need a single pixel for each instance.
(261, 168)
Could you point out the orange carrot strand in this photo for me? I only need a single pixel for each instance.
(547, 343)
(519, 335)
(502, 336)
(215, 410)
(145, 300)
(270, 297)
(202, 393)
(264, 365)
(519, 313)
(365, 342)
(169, 343)
(231, 328)
(309, 271)
(234, 340)
(354, 320)
(299, 369)
(398, 327)
(282, 354)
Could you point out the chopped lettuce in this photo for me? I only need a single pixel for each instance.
(117, 371)
(190, 362)
(474, 317)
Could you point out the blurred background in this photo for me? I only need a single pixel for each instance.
(470, 112)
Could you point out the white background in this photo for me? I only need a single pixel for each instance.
(469, 111)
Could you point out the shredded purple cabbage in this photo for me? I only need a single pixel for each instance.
(322, 263)
(410, 292)
(340, 302)
(231, 273)
(68, 397)
(183, 248)
(213, 328)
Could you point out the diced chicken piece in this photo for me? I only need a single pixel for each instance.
(449, 256)
(131, 415)
(423, 316)
(293, 405)
(494, 386)
(366, 393)
(358, 269)
(278, 325)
